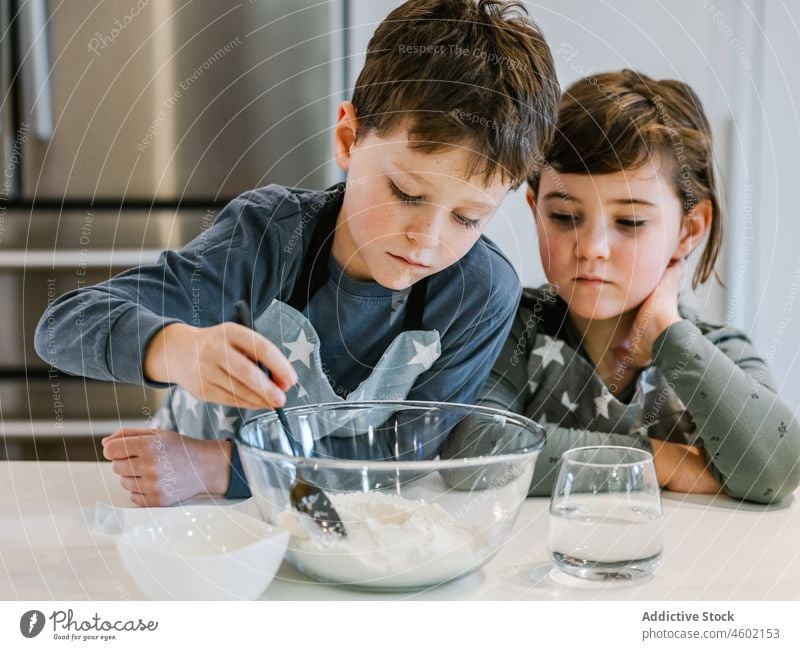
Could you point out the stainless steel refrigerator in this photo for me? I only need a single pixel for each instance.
(125, 125)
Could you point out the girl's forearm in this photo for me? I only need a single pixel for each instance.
(683, 468)
(748, 433)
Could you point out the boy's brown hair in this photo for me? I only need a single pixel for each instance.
(476, 74)
(619, 120)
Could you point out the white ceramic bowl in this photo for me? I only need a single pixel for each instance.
(202, 553)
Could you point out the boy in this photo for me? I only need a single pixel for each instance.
(380, 288)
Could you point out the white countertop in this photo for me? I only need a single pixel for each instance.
(715, 549)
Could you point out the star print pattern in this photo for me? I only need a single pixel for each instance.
(225, 422)
(178, 398)
(162, 420)
(300, 349)
(426, 354)
(601, 403)
(563, 387)
(409, 354)
(550, 352)
(190, 402)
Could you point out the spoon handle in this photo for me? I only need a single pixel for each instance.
(245, 317)
(304, 496)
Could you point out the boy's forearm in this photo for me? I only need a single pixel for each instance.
(217, 462)
(683, 468)
(163, 353)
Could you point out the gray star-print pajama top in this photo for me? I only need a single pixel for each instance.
(705, 387)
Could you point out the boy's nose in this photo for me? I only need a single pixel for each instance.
(425, 231)
(592, 242)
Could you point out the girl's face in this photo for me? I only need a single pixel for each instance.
(606, 240)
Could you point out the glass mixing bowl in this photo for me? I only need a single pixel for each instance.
(412, 518)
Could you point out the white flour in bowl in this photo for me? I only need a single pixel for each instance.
(391, 542)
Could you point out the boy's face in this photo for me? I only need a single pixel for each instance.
(623, 228)
(406, 214)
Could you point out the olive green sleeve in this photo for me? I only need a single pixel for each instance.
(749, 435)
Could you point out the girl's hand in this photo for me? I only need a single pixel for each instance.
(656, 313)
(159, 468)
(683, 468)
(220, 364)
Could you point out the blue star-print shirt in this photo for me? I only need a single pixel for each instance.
(255, 251)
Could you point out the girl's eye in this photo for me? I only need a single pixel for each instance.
(631, 224)
(466, 221)
(405, 198)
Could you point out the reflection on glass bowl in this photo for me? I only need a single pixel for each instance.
(412, 518)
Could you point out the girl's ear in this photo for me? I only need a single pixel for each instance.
(344, 134)
(695, 226)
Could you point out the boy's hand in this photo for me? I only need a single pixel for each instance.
(220, 364)
(159, 468)
(656, 313)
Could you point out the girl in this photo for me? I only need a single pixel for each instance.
(605, 353)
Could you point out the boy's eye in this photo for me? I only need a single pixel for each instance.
(405, 198)
(562, 218)
(631, 224)
(466, 221)
(460, 219)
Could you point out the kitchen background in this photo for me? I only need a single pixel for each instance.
(126, 124)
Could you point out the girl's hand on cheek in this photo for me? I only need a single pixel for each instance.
(656, 313)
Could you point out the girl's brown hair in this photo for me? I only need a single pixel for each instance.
(618, 120)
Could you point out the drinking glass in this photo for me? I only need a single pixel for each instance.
(605, 514)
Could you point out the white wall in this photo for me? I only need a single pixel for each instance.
(775, 266)
(741, 58)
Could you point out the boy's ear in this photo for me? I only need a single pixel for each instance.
(530, 197)
(695, 226)
(344, 135)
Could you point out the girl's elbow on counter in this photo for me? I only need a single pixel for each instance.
(778, 480)
(773, 471)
